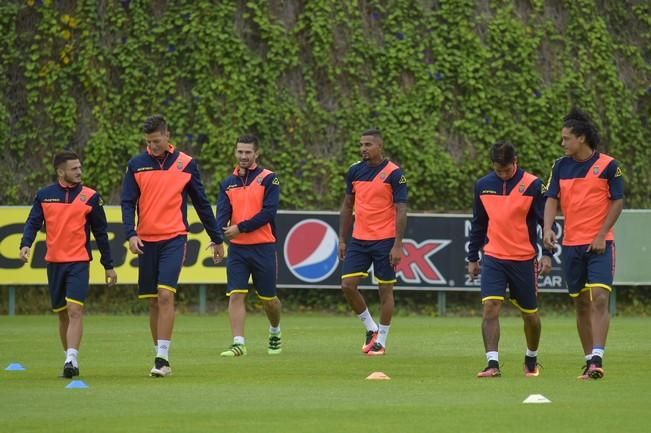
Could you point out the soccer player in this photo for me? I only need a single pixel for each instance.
(590, 189)
(377, 191)
(246, 210)
(157, 183)
(70, 212)
(507, 209)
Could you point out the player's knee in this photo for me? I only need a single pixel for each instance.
(63, 316)
(75, 312)
(165, 298)
(348, 285)
(237, 298)
(583, 304)
(492, 309)
(272, 304)
(600, 299)
(531, 318)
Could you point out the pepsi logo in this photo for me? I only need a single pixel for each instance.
(311, 251)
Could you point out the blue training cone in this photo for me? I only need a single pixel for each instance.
(77, 384)
(15, 366)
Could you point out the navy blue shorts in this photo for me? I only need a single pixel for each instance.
(68, 282)
(584, 270)
(361, 254)
(520, 276)
(160, 265)
(258, 261)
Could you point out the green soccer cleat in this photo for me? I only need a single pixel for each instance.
(275, 344)
(235, 350)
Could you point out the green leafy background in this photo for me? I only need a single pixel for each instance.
(442, 79)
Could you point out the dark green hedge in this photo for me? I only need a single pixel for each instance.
(442, 79)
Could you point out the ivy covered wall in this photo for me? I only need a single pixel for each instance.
(442, 79)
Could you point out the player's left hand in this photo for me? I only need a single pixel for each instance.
(545, 265)
(111, 277)
(231, 232)
(395, 255)
(598, 245)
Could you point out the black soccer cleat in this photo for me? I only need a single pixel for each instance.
(69, 370)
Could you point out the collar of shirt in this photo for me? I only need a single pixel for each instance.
(170, 150)
(69, 188)
(513, 180)
(382, 164)
(236, 171)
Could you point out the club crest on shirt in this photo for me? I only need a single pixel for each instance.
(521, 188)
(259, 180)
(179, 165)
(383, 176)
(595, 170)
(82, 198)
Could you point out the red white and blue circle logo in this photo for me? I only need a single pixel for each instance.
(311, 250)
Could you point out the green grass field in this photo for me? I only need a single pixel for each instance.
(317, 384)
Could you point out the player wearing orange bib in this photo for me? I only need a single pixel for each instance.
(377, 191)
(588, 184)
(507, 209)
(69, 211)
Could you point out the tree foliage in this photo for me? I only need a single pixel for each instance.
(442, 79)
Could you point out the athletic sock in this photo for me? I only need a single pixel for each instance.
(531, 353)
(598, 351)
(163, 349)
(383, 333)
(71, 356)
(274, 329)
(368, 321)
(492, 356)
(238, 340)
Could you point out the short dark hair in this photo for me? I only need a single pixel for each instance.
(580, 124)
(373, 132)
(155, 123)
(62, 157)
(502, 153)
(248, 139)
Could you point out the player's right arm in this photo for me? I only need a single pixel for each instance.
(32, 226)
(346, 214)
(345, 223)
(478, 229)
(224, 209)
(551, 207)
(128, 203)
